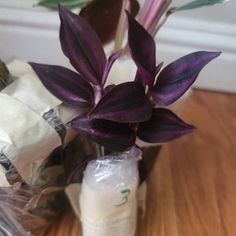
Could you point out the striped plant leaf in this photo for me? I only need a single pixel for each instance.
(53, 4)
(198, 4)
(82, 46)
(176, 78)
(163, 126)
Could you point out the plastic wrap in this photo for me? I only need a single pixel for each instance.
(108, 201)
(29, 212)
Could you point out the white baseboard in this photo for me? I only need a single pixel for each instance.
(33, 36)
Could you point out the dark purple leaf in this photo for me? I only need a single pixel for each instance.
(125, 103)
(82, 46)
(112, 135)
(162, 127)
(65, 84)
(175, 79)
(142, 47)
(108, 88)
(103, 16)
(109, 64)
(144, 77)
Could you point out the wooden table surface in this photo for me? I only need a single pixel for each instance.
(192, 188)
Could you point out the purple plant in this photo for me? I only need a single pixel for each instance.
(117, 115)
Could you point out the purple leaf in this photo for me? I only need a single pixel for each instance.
(112, 135)
(109, 64)
(65, 84)
(162, 127)
(82, 46)
(125, 103)
(142, 47)
(175, 79)
(108, 88)
(144, 77)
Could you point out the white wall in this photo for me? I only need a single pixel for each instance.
(217, 13)
(209, 28)
(31, 33)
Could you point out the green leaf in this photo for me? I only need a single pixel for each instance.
(199, 3)
(53, 4)
(4, 73)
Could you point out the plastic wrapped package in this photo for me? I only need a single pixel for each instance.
(32, 122)
(108, 197)
(31, 210)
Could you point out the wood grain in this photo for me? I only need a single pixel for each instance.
(192, 188)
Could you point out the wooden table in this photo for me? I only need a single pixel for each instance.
(192, 188)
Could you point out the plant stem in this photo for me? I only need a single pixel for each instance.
(98, 94)
(99, 150)
(163, 20)
(122, 26)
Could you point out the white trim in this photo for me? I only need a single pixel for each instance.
(32, 34)
(28, 18)
(192, 32)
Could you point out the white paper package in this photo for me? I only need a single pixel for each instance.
(108, 197)
(32, 121)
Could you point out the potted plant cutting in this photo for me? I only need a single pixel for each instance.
(117, 115)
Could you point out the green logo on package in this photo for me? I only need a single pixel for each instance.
(125, 197)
